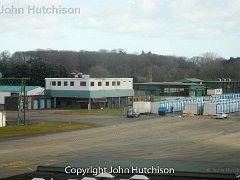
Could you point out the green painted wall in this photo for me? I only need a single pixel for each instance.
(199, 89)
(158, 89)
(212, 85)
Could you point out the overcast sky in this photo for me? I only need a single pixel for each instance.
(168, 27)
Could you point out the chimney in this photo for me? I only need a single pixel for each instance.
(79, 75)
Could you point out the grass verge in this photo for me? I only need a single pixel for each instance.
(40, 127)
(113, 112)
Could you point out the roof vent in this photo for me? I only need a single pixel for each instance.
(77, 75)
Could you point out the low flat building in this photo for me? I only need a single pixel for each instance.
(170, 89)
(227, 85)
(86, 93)
(9, 97)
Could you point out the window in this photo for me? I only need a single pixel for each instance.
(65, 83)
(99, 83)
(71, 83)
(172, 90)
(92, 83)
(107, 83)
(113, 83)
(69, 103)
(58, 103)
(83, 83)
(14, 94)
(59, 83)
(166, 90)
(53, 83)
(118, 83)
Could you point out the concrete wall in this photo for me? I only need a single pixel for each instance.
(3, 95)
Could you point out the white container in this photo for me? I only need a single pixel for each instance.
(192, 107)
(142, 107)
(212, 108)
(155, 106)
(2, 119)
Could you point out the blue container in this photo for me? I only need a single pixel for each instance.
(162, 111)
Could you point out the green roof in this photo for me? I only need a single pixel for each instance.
(16, 88)
(191, 80)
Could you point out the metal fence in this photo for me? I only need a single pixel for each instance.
(224, 97)
(226, 103)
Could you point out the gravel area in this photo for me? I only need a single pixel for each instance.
(168, 139)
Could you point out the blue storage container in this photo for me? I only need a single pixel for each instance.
(162, 111)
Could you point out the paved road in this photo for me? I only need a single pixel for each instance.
(170, 139)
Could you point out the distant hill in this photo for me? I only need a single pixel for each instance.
(143, 67)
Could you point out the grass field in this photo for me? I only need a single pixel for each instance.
(40, 127)
(113, 112)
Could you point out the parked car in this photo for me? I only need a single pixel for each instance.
(131, 113)
(221, 116)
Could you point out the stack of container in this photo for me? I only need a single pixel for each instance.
(226, 103)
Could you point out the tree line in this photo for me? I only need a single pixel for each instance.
(35, 68)
(142, 67)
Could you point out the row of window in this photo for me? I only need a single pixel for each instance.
(173, 90)
(83, 83)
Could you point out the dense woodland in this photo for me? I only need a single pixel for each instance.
(146, 66)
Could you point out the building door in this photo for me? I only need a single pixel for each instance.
(42, 103)
(49, 104)
(29, 105)
(191, 93)
(35, 104)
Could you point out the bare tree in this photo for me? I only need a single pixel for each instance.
(5, 55)
(99, 71)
